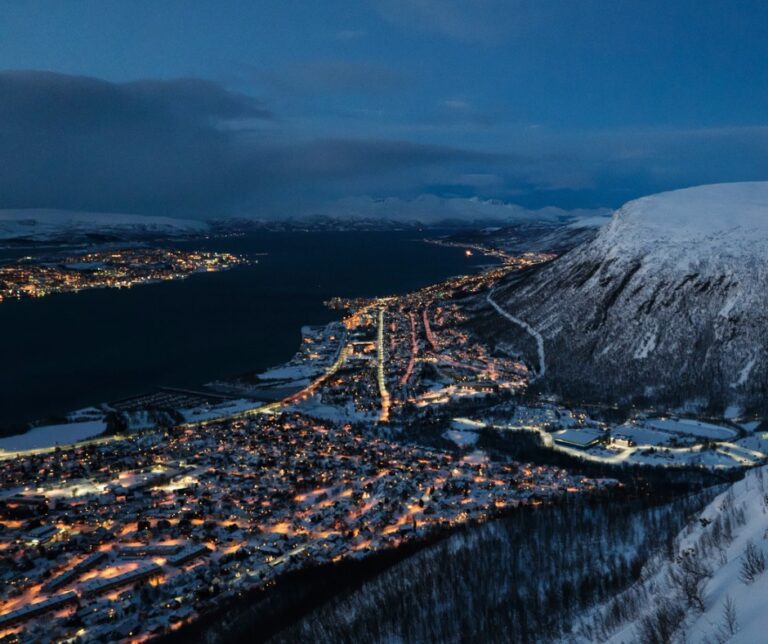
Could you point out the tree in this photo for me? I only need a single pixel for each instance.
(730, 624)
(689, 576)
(660, 626)
(752, 563)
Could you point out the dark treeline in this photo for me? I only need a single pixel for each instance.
(257, 615)
(527, 577)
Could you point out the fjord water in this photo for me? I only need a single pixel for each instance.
(71, 350)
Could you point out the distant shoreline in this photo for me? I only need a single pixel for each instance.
(450, 268)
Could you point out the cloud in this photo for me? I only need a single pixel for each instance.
(350, 34)
(473, 21)
(462, 112)
(611, 166)
(456, 104)
(189, 147)
(183, 147)
(83, 143)
(480, 180)
(81, 99)
(332, 76)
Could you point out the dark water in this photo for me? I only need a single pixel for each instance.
(70, 350)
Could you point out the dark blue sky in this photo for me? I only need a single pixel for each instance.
(285, 107)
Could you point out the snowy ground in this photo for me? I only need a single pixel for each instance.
(349, 413)
(293, 373)
(86, 413)
(642, 435)
(462, 438)
(467, 424)
(50, 435)
(692, 427)
(645, 454)
(751, 425)
(223, 410)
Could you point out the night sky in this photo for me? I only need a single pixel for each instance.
(281, 108)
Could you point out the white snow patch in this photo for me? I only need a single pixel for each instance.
(751, 425)
(291, 372)
(462, 438)
(725, 563)
(727, 307)
(692, 427)
(51, 435)
(222, 410)
(647, 345)
(744, 373)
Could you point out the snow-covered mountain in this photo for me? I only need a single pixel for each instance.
(668, 302)
(42, 225)
(434, 211)
(535, 236)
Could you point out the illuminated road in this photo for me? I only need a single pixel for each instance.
(385, 398)
(102, 440)
(428, 328)
(303, 394)
(310, 389)
(414, 351)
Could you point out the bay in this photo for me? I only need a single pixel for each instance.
(70, 350)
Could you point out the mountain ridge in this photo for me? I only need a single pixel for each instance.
(667, 303)
(45, 224)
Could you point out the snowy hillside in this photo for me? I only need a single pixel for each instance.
(715, 221)
(529, 577)
(41, 225)
(713, 587)
(668, 303)
(535, 236)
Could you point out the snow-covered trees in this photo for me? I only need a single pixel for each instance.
(530, 576)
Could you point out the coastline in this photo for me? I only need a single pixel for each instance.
(230, 381)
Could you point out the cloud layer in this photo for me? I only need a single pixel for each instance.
(194, 148)
(180, 146)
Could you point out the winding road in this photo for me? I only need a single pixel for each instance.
(527, 327)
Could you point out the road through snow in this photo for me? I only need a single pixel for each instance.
(533, 332)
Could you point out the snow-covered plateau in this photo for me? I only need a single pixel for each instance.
(43, 225)
(667, 303)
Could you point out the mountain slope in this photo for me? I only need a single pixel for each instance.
(707, 587)
(668, 302)
(535, 236)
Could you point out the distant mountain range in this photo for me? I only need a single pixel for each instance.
(64, 226)
(669, 302)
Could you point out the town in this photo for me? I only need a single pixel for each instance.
(137, 537)
(370, 437)
(111, 268)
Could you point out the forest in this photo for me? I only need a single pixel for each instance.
(531, 576)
